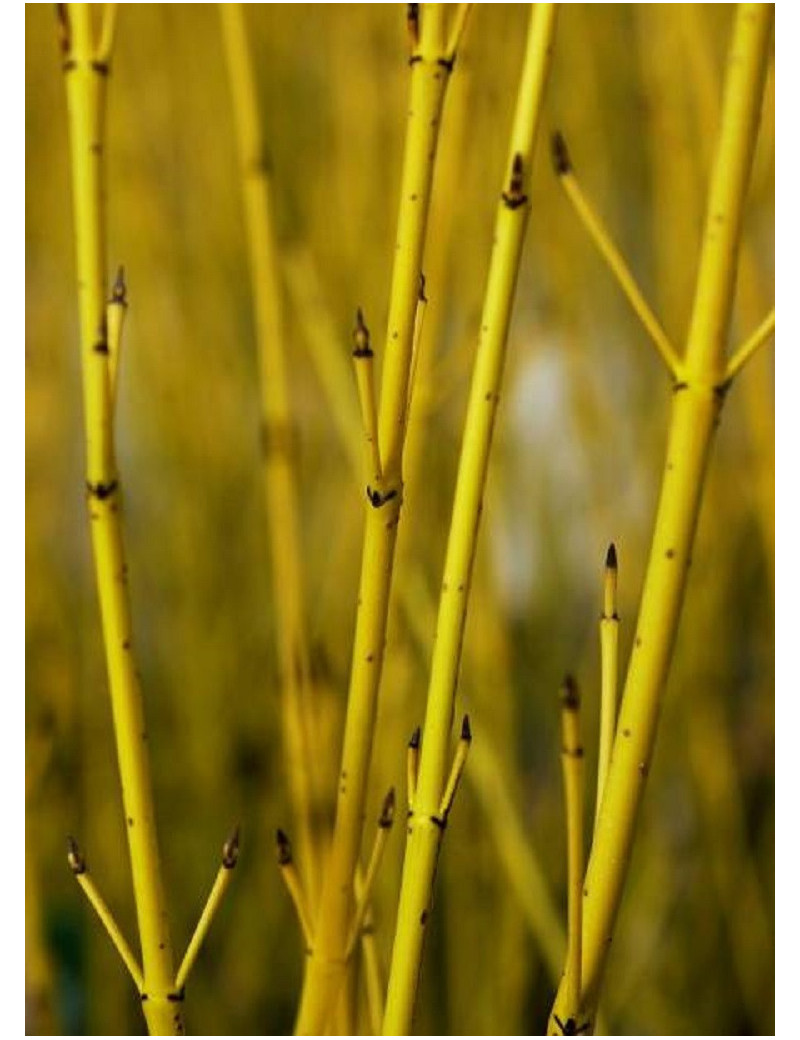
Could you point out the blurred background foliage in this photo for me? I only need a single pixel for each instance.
(577, 463)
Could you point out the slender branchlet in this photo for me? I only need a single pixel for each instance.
(562, 163)
(86, 77)
(294, 885)
(456, 770)
(612, 256)
(609, 668)
(572, 769)
(412, 767)
(116, 309)
(385, 821)
(696, 405)
(412, 22)
(230, 857)
(419, 322)
(283, 501)
(79, 868)
(374, 980)
(456, 37)
(363, 356)
(430, 67)
(107, 33)
(753, 343)
(425, 823)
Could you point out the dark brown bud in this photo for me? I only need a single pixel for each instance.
(387, 811)
(284, 848)
(570, 698)
(362, 346)
(558, 149)
(230, 850)
(76, 861)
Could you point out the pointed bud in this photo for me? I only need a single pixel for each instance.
(570, 698)
(387, 811)
(558, 150)
(230, 850)
(362, 346)
(119, 290)
(284, 848)
(76, 861)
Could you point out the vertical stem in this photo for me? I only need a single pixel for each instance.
(327, 966)
(609, 647)
(425, 825)
(695, 412)
(278, 437)
(86, 80)
(572, 770)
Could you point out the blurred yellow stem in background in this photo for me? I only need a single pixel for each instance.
(278, 440)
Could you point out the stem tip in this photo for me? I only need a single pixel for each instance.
(76, 861)
(230, 850)
(611, 557)
(415, 738)
(361, 337)
(119, 290)
(558, 150)
(570, 698)
(284, 848)
(466, 731)
(387, 811)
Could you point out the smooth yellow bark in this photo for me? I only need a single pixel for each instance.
(327, 965)
(86, 72)
(425, 823)
(697, 401)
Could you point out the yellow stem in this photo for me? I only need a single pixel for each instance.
(456, 770)
(327, 963)
(572, 769)
(758, 338)
(378, 848)
(80, 870)
(363, 361)
(612, 256)
(696, 407)
(280, 479)
(230, 856)
(374, 984)
(457, 29)
(425, 824)
(609, 667)
(86, 80)
(412, 768)
(107, 33)
(116, 309)
(294, 886)
(419, 323)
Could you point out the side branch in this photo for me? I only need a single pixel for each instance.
(756, 340)
(294, 885)
(613, 257)
(79, 868)
(457, 30)
(230, 857)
